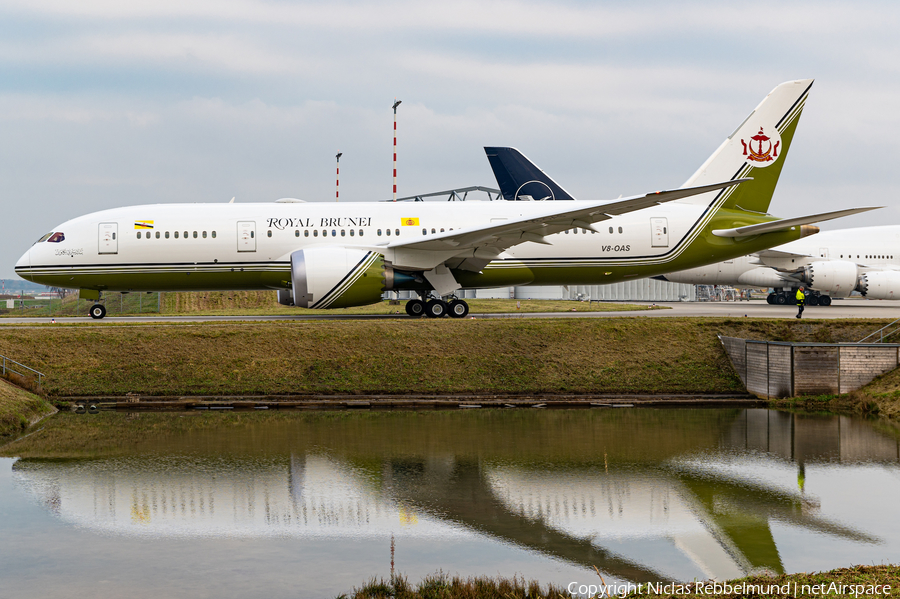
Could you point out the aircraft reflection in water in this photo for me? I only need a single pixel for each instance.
(694, 490)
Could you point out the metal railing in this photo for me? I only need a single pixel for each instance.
(881, 333)
(6, 366)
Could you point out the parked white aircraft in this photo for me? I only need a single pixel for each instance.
(339, 255)
(833, 264)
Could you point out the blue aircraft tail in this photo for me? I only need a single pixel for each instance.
(521, 179)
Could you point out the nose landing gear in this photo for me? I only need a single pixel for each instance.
(97, 311)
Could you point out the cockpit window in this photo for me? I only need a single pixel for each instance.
(52, 237)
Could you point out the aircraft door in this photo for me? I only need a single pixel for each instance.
(246, 230)
(659, 232)
(108, 238)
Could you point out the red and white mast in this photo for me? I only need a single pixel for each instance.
(396, 104)
(337, 183)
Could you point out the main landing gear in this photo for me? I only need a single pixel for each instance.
(437, 308)
(97, 311)
(814, 298)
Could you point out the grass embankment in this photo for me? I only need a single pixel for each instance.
(19, 409)
(856, 581)
(402, 356)
(250, 303)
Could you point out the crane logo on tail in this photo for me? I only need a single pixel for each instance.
(761, 150)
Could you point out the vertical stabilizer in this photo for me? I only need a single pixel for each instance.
(756, 149)
(521, 179)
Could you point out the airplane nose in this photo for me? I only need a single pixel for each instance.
(23, 264)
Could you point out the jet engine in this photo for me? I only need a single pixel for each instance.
(880, 284)
(763, 277)
(835, 277)
(336, 277)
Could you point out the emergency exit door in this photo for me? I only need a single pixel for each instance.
(246, 238)
(659, 233)
(108, 238)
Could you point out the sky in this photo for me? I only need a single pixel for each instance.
(106, 103)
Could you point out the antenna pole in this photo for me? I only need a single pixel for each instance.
(337, 184)
(396, 104)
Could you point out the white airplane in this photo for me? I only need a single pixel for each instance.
(834, 264)
(335, 255)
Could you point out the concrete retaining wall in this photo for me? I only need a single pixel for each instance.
(771, 369)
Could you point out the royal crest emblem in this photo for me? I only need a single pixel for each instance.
(762, 149)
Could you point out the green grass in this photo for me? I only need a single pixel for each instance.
(19, 409)
(615, 355)
(855, 581)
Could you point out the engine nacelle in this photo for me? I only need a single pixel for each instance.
(880, 284)
(762, 276)
(336, 277)
(837, 278)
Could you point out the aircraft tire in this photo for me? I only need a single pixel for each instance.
(435, 308)
(781, 299)
(770, 299)
(824, 300)
(415, 308)
(98, 311)
(812, 301)
(458, 309)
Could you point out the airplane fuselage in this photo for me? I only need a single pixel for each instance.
(248, 246)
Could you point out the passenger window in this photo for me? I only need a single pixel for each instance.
(343, 233)
(566, 231)
(306, 232)
(396, 231)
(204, 235)
(114, 235)
(352, 232)
(620, 229)
(432, 230)
(252, 234)
(316, 233)
(138, 234)
(157, 235)
(167, 234)
(185, 234)
(379, 232)
(213, 234)
(360, 232)
(176, 234)
(268, 233)
(424, 231)
(442, 229)
(297, 233)
(388, 232)
(334, 232)
(610, 229)
(195, 234)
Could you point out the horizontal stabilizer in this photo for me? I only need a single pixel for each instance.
(787, 223)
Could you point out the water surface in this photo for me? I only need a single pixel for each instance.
(311, 504)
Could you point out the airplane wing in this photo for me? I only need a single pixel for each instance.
(476, 246)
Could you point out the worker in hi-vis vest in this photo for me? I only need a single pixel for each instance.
(801, 300)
